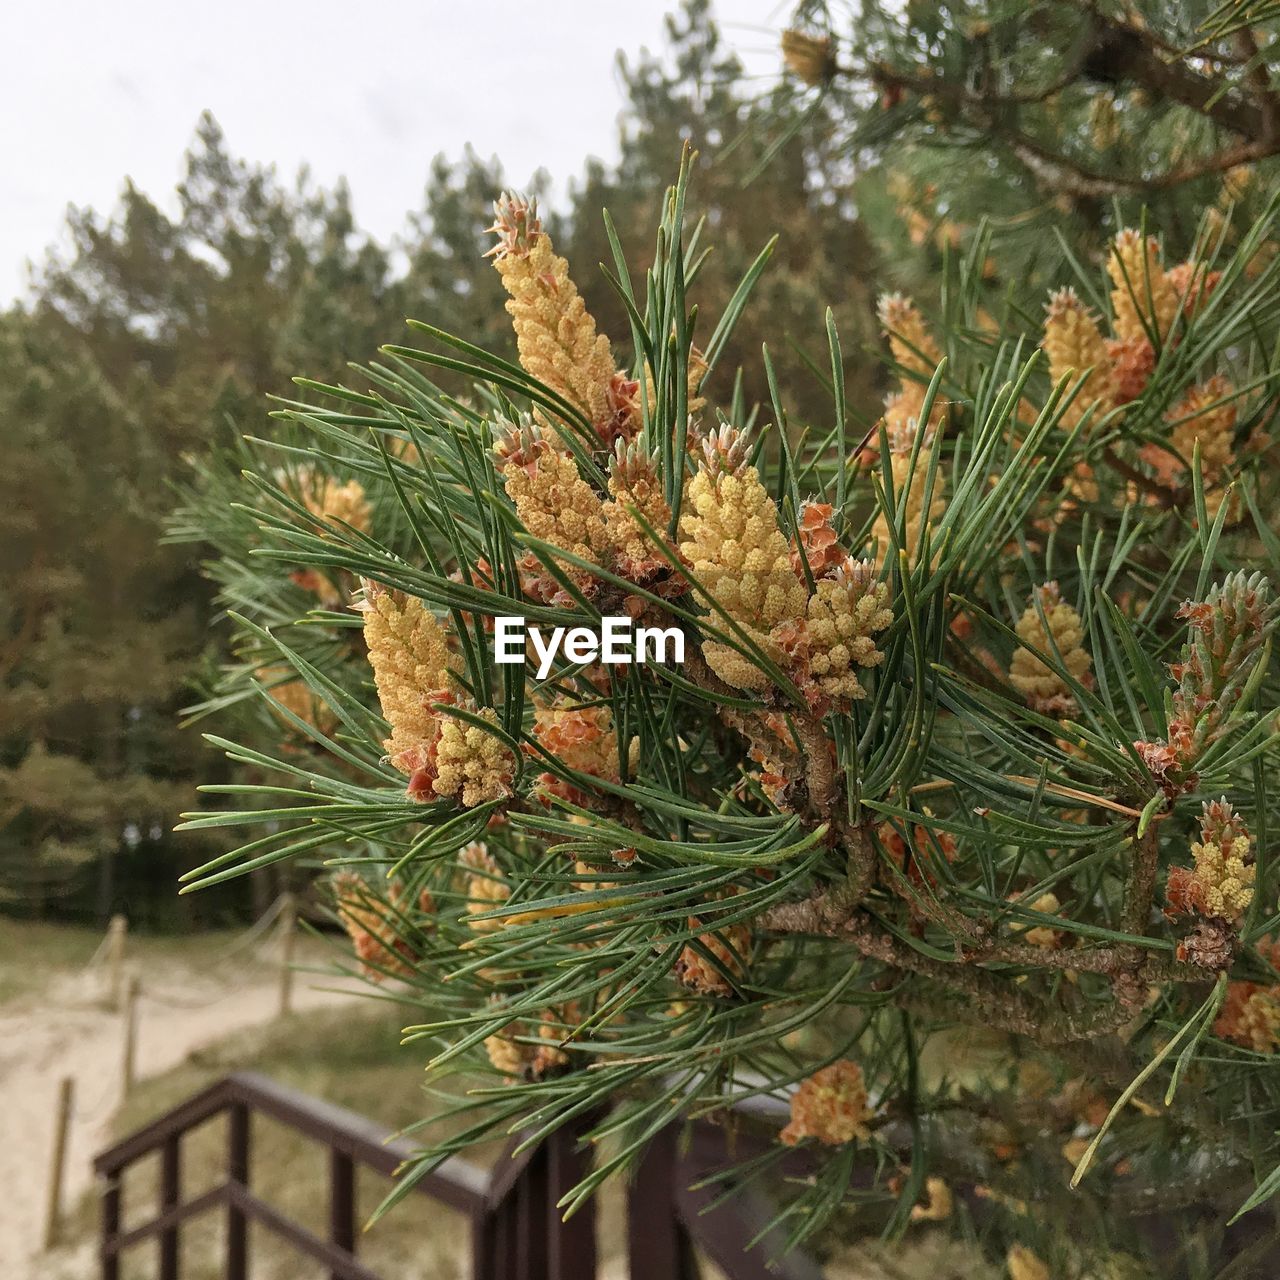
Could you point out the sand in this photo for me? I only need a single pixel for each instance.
(71, 1031)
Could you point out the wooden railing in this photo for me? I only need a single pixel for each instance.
(675, 1208)
(503, 1211)
(516, 1231)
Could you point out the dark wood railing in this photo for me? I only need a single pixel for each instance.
(516, 1230)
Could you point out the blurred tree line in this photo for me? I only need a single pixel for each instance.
(156, 339)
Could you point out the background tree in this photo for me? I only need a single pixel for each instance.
(1057, 116)
(142, 347)
(749, 189)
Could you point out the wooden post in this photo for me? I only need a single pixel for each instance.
(571, 1245)
(288, 937)
(128, 1061)
(58, 1162)
(237, 1175)
(110, 1210)
(117, 934)
(342, 1203)
(170, 1197)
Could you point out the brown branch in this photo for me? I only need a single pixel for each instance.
(997, 1002)
(1135, 56)
(1140, 891)
(1125, 52)
(828, 913)
(1067, 175)
(1258, 76)
(1165, 496)
(819, 768)
(1119, 52)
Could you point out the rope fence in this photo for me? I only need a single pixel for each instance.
(123, 990)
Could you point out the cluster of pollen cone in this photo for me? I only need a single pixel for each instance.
(802, 603)
(582, 473)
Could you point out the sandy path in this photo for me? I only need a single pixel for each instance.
(65, 1034)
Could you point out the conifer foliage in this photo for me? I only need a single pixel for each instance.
(971, 743)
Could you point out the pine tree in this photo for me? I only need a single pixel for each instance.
(140, 345)
(749, 189)
(1054, 118)
(971, 743)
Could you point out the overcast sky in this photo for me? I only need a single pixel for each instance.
(92, 92)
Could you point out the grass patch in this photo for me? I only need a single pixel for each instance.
(32, 952)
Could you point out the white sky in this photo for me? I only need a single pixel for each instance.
(92, 92)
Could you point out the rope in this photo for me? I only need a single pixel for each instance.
(252, 933)
(177, 1002)
(95, 959)
(103, 1107)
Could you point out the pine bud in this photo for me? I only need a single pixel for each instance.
(1194, 284)
(1040, 935)
(909, 341)
(486, 887)
(697, 371)
(1237, 182)
(371, 924)
(506, 1056)
(329, 501)
(1221, 882)
(729, 944)
(938, 1203)
(1144, 301)
(522, 1060)
(1250, 1014)
(295, 696)
(843, 614)
(739, 555)
(634, 486)
(1059, 634)
(409, 654)
(817, 537)
(1199, 418)
(555, 334)
(909, 489)
(1132, 361)
(582, 739)
(1075, 347)
(554, 503)
(809, 58)
(1025, 1265)
(830, 1106)
(462, 761)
